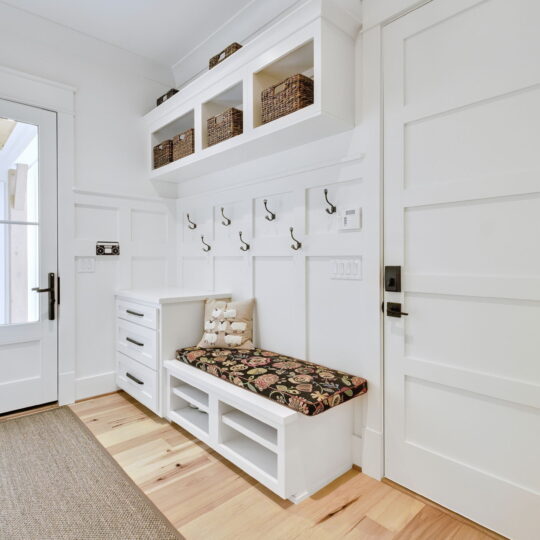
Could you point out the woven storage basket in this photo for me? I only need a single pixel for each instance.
(165, 97)
(225, 53)
(288, 96)
(224, 126)
(183, 144)
(162, 154)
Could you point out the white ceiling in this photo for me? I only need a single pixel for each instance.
(164, 31)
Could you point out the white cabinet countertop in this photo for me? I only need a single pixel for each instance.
(169, 295)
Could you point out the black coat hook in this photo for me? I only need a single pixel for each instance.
(191, 224)
(332, 209)
(297, 245)
(245, 247)
(207, 247)
(271, 216)
(226, 221)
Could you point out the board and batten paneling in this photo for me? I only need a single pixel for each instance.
(146, 232)
(300, 309)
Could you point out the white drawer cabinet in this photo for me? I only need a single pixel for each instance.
(150, 325)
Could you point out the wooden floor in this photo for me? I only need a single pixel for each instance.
(206, 497)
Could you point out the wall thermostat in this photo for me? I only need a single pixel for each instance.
(350, 219)
(107, 248)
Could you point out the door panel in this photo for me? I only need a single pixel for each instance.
(28, 248)
(462, 218)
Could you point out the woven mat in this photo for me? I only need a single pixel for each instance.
(57, 482)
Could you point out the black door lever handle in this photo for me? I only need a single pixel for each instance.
(393, 309)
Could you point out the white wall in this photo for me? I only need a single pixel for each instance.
(114, 89)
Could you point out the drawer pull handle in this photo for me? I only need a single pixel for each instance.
(134, 313)
(138, 343)
(130, 376)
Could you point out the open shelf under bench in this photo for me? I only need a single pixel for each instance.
(291, 454)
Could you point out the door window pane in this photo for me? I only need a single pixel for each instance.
(19, 229)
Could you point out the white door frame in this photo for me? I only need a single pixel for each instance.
(41, 93)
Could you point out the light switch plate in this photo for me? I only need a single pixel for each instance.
(86, 264)
(347, 269)
(350, 219)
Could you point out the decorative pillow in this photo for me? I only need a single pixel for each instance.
(228, 325)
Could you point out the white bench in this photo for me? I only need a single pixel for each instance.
(292, 454)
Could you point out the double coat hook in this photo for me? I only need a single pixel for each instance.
(332, 209)
(191, 224)
(245, 247)
(271, 216)
(297, 244)
(207, 247)
(226, 221)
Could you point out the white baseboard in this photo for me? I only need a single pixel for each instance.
(368, 452)
(66, 388)
(95, 385)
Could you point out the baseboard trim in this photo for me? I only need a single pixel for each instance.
(99, 396)
(451, 513)
(95, 385)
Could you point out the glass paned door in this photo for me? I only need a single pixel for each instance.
(28, 254)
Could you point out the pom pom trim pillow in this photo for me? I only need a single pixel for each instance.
(228, 325)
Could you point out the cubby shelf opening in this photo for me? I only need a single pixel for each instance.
(232, 97)
(253, 453)
(177, 126)
(299, 60)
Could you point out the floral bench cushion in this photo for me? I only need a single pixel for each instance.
(303, 386)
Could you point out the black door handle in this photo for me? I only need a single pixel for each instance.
(138, 343)
(130, 376)
(134, 313)
(393, 309)
(50, 290)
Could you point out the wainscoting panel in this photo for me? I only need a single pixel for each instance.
(146, 232)
(93, 221)
(300, 309)
(334, 316)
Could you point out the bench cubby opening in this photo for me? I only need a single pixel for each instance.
(188, 407)
(258, 431)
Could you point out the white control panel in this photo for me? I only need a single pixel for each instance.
(350, 219)
(346, 269)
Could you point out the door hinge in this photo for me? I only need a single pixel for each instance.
(58, 290)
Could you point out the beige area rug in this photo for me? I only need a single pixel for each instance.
(57, 482)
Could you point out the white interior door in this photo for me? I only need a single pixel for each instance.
(462, 218)
(28, 245)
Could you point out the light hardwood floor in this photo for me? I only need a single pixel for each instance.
(208, 498)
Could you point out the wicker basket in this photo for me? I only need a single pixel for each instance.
(165, 97)
(288, 96)
(183, 144)
(225, 53)
(224, 126)
(162, 154)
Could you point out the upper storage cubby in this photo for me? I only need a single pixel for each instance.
(316, 41)
(272, 78)
(218, 123)
(179, 148)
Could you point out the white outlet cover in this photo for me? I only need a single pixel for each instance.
(86, 264)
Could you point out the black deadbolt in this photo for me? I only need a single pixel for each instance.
(392, 278)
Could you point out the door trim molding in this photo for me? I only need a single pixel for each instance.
(34, 91)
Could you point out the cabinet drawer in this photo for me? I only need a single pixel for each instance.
(138, 381)
(137, 342)
(137, 313)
